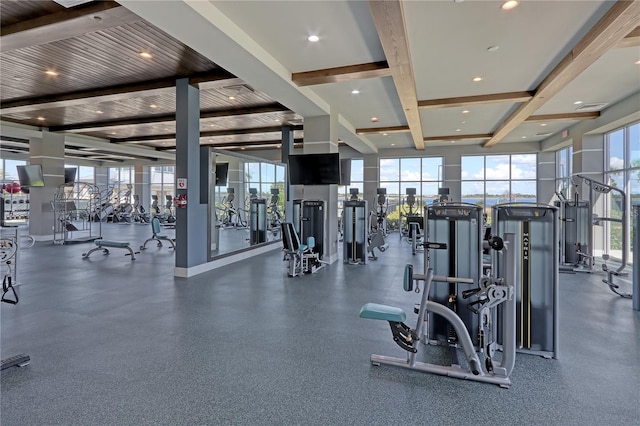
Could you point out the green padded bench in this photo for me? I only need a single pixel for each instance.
(104, 245)
(382, 312)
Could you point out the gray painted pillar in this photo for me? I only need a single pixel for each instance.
(546, 185)
(371, 177)
(452, 174)
(48, 152)
(286, 150)
(142, 185)
(321, 136)
(191, 222)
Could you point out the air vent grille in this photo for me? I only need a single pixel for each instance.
(592, 107)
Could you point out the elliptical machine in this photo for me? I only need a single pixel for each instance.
(412, 228)
(378, 225)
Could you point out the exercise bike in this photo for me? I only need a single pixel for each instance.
(491, 292)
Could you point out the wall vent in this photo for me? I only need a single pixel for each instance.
(592, 107)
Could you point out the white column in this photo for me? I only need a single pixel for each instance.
(321, 136)
(48, 152)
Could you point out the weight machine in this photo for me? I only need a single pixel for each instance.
(491, 293)
(601, 188)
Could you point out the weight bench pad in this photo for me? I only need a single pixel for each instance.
(103, 243)
(382, 312)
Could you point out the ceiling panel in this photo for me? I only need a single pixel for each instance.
(377, 98)
(449, 42)
(346, 30)
(98, 59)
(612, 78)
(15, 11)
(479, 120)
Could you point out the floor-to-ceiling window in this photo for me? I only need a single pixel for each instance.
(488, 180)
(564, 168)
(16, 202)
(264, 177)
(162, 179)
(121, 181)
(424, 174)
(622, 170)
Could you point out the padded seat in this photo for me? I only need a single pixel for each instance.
(105, 243)
(382, 312)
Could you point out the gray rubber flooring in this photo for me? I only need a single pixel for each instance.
(116, 342)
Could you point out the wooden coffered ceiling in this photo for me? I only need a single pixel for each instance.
(99, 85)
(411, 62)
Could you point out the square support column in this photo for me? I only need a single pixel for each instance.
(371, 177)
(546, 186)
(48, 152)
(321, 136)
(191, 221)
(142, 185)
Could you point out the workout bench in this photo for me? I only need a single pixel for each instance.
(155, 229)
(103, 244)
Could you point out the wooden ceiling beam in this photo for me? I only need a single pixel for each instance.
(631, 40)
(106, 94)
(388, 17)
(493, 98)
(341, 74)
(162, 118)
(72, 22)
(570, 116)
(456, 137)
(206, 134)
(224, 145)
(621, 19)
(378, 130)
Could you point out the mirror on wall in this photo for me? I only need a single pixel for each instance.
(246, 202)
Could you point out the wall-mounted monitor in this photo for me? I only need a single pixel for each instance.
(30, 175)
(345, 171)
(70, 175)
(314, 169)
(222, 170)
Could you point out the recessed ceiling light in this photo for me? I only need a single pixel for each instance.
(453, 141)
(231, 98)
(313, 38)
(466, 111)
(355, 92)
(638, 62)
(99, 112)
(393, 144)
(463, 122)
(577, 102)
(153, 106)
(242, 148)
(477, 79)
(51, 72)
(114, 133)
(543, 124)
(524, 137)
(374, 119)
(16, 78)
(385, 134)
(41, 118)
(279, 146)
(146, 55)
(458, 130)
(510, 4)
(212, 125)
(492, 48)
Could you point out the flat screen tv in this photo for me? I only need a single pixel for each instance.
(222, 170)
(30, 175)
(314, 169)
(70, 175)
(345, 171)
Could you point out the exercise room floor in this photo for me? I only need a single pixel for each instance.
(116, 342)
